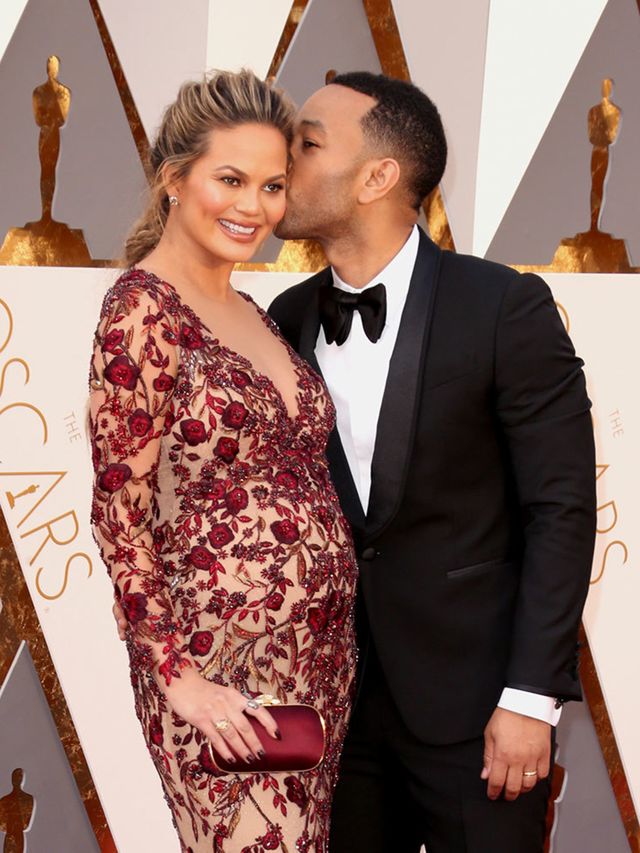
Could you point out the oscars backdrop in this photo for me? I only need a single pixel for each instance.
(540, 106)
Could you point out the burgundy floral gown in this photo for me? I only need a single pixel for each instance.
(222, 533)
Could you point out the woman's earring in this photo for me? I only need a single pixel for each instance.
(173, 200)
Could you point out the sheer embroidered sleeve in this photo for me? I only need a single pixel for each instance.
(133, 373)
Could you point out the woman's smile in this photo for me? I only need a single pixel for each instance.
(242, 232)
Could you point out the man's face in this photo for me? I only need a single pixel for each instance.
(327, 154)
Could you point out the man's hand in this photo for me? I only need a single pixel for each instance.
(121, 622)
(514, 745)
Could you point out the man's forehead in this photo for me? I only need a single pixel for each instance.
(316, 124)
(331, 104)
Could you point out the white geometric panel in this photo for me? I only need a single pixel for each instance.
(245, 34)
(451, 72)
(10, 11)
(532, 51)
(72, 599)
(158, 49)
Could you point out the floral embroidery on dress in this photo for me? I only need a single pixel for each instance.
(223, 535)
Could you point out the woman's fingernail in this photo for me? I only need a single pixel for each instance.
(251, 758)
(261, 753)
(278, 735)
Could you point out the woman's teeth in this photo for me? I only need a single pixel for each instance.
(237, 229)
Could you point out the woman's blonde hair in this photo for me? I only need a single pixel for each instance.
(223, 99)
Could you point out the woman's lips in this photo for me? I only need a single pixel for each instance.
(238, 231)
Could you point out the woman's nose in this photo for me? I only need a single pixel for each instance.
(249, 201)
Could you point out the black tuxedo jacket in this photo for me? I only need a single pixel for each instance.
(475, 553)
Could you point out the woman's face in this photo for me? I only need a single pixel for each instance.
(234, 194)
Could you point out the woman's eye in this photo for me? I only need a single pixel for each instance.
(231, 181)
(274, 188)
(307, 143)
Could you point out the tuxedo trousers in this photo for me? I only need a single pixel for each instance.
(396, 793)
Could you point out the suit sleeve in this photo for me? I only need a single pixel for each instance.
(544, 413)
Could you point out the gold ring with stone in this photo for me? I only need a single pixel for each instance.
(222, 725)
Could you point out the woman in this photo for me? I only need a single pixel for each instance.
(213, 506)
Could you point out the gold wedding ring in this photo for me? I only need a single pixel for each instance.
(530, 773)
(222, 725)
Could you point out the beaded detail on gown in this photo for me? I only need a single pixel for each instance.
(223, 535)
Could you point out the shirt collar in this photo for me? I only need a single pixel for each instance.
(396, 276)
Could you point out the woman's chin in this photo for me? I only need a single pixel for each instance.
(237, 252)
(244, 257)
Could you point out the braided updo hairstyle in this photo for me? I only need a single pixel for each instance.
(222, 100)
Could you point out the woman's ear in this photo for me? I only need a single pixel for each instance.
(381, 177)
(170, 182)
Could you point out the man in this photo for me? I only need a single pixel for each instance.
(464, 460)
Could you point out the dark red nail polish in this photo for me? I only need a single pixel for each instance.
(261, 753)
(278, 735)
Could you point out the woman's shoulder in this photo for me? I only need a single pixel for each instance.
(136, 290)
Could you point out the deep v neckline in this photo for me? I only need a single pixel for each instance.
(264, 377)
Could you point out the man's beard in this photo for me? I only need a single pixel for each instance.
(294, 226)
(326, 216)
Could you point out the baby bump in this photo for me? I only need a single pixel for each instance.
(255, 616)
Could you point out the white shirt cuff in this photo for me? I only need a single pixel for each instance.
(531, 705)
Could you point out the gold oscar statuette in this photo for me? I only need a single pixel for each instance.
(11, 498)
(47, 242)
(594, 250)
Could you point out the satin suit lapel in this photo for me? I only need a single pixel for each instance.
(338, 465)
(401, 400)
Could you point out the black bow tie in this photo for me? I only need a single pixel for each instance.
(337, 307)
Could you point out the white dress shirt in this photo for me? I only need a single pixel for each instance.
(356, 375)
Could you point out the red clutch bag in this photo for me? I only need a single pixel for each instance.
(301, 748)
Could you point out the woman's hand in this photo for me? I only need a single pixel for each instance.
(204, 704)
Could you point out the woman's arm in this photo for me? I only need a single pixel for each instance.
(133, 375)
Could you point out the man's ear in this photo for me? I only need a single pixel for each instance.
(380, 178)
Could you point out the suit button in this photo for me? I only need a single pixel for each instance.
(368, 553)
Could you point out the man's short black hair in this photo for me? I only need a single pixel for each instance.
(404, 124)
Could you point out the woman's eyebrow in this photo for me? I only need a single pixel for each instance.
(242, 174)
